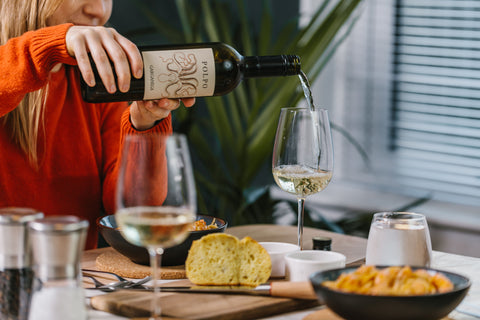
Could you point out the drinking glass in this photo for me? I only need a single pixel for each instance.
(399, 238)
(302, 155)
(156, 198)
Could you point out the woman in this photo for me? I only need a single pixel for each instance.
(59, 153)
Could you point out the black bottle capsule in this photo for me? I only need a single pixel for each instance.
(322, 243)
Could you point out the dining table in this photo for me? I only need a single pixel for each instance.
(352, 247)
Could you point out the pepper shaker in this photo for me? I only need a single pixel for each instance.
(16, 275)
(57, 244)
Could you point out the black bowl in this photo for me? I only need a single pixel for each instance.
(173, 256)
(353, 306)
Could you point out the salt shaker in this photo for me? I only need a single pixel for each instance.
(57, 246)
(16, 274)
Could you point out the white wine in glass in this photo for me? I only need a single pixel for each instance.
(302, 155)
(156, 197)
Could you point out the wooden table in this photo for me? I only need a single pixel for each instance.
(352, 247)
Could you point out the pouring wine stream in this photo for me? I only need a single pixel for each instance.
(307, 91)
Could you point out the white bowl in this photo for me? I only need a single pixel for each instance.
(300, 265)
(277, 252)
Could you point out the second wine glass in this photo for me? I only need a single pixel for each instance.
(156, 197)
(302, 155)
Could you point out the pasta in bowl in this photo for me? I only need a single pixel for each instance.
(391, 281)
(390, 293)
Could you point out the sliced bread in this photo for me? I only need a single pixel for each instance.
(222, 259)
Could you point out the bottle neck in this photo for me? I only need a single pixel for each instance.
(271, 66)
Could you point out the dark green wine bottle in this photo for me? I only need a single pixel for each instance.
(192, 70)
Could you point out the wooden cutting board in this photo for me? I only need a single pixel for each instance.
(197, 306)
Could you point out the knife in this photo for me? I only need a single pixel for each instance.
(283, 289)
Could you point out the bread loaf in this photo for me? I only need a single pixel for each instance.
(222, 259)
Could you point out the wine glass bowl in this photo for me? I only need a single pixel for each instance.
(301, 180)
(156, 197)
(154, 227)
(302, 161)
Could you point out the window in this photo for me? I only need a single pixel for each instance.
(405, 85)
(436, 97)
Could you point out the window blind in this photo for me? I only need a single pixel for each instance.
(436, 97)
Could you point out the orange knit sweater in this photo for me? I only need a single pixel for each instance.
(79, 142)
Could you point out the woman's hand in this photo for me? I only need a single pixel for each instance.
(144, 114)
(106, 46)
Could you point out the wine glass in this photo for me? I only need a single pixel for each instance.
(156, 197)
(399, 238)
(302, 155)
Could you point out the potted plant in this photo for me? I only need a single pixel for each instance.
(231, 137)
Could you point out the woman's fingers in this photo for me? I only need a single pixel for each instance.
(188, 102)
(96, 47)
(133, 54)
(116, 59)
(111, 53)
(144, 114)
(77, 48)
(161, 108)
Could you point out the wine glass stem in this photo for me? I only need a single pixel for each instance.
(155, 263)
(301, 207)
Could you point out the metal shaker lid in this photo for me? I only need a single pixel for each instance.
(57, 244)
(14, 245)
(18, 215)
(59, 224)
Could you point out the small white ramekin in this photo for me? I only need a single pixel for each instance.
(277, 252)
(300, 265)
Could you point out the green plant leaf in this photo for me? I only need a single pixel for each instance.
(210, 25)
(170, 33)
(245, 30)
(184, 18)
(265, 37)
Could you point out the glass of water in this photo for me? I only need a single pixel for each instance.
(399, 238)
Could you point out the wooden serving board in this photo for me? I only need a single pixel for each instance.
(197, 306)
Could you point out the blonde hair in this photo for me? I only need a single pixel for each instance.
(16, 18)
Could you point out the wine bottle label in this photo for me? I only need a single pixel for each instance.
(179, 73)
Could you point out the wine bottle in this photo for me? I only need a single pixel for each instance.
(192, 70)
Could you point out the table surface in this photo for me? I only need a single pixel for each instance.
(352, 247)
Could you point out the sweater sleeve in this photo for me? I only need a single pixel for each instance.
(26, 61)
(163, 126)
